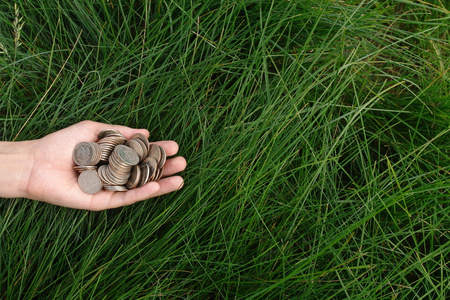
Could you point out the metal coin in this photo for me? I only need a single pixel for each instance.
(154, 152)
(136, 146)
(107, 178)
(142, 138)
(155, 176)
(101, 173)
(162, 161)
(118, 166)
(108, 143)
(115, 188)
(118, 163)
(135, 176)
(113, 139)
(152, 165)
(97, 153)
(89, 182)
(128, 166)
(84, 168)
(127, 155)
(145, 172)
(113, 179)
(143, 145)
(106, 151)
(83, 154)
(107, 132)
(160, 174)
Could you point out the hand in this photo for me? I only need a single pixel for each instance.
(53, 180)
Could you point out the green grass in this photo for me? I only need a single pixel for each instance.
(316, 135)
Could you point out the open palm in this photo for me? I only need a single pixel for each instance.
(53, 180)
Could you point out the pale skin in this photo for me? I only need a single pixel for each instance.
(43, 170)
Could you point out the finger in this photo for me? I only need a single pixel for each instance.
(174, 165)
(171, 147)
(150, 190)
(147, 191)
(169, 184)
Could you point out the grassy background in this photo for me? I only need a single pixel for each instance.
(316, 135)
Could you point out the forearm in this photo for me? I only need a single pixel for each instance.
(16, 163)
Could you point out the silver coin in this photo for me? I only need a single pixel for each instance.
(115, 161)
(142, 138)
(116, 175)
(107, 145)
(97, 153)
(134, 178)
(83, 154)
(84, 168)
(136, 146)
(152, 176)
(118, 167)
(162, 161)
(107, 132)
(160, 174)
(127, 155)
(115, 188)
(145, 172)
(106, 177)
(155, 176)
(89, 182)
(113, 139)
(153, 167)
(144, 145)
(101, 171)
(154, 152)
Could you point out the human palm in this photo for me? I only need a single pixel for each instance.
(52, 178)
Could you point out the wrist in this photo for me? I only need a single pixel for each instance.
(16, 164)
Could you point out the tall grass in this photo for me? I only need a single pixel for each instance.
(316, 135)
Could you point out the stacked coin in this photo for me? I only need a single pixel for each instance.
(139, 143)
(153, 166)
(117, 164)
(108, 140)
(150, 169)
(118, 170)
(84, 168)
(87, 154)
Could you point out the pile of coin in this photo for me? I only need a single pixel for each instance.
(117, 164)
